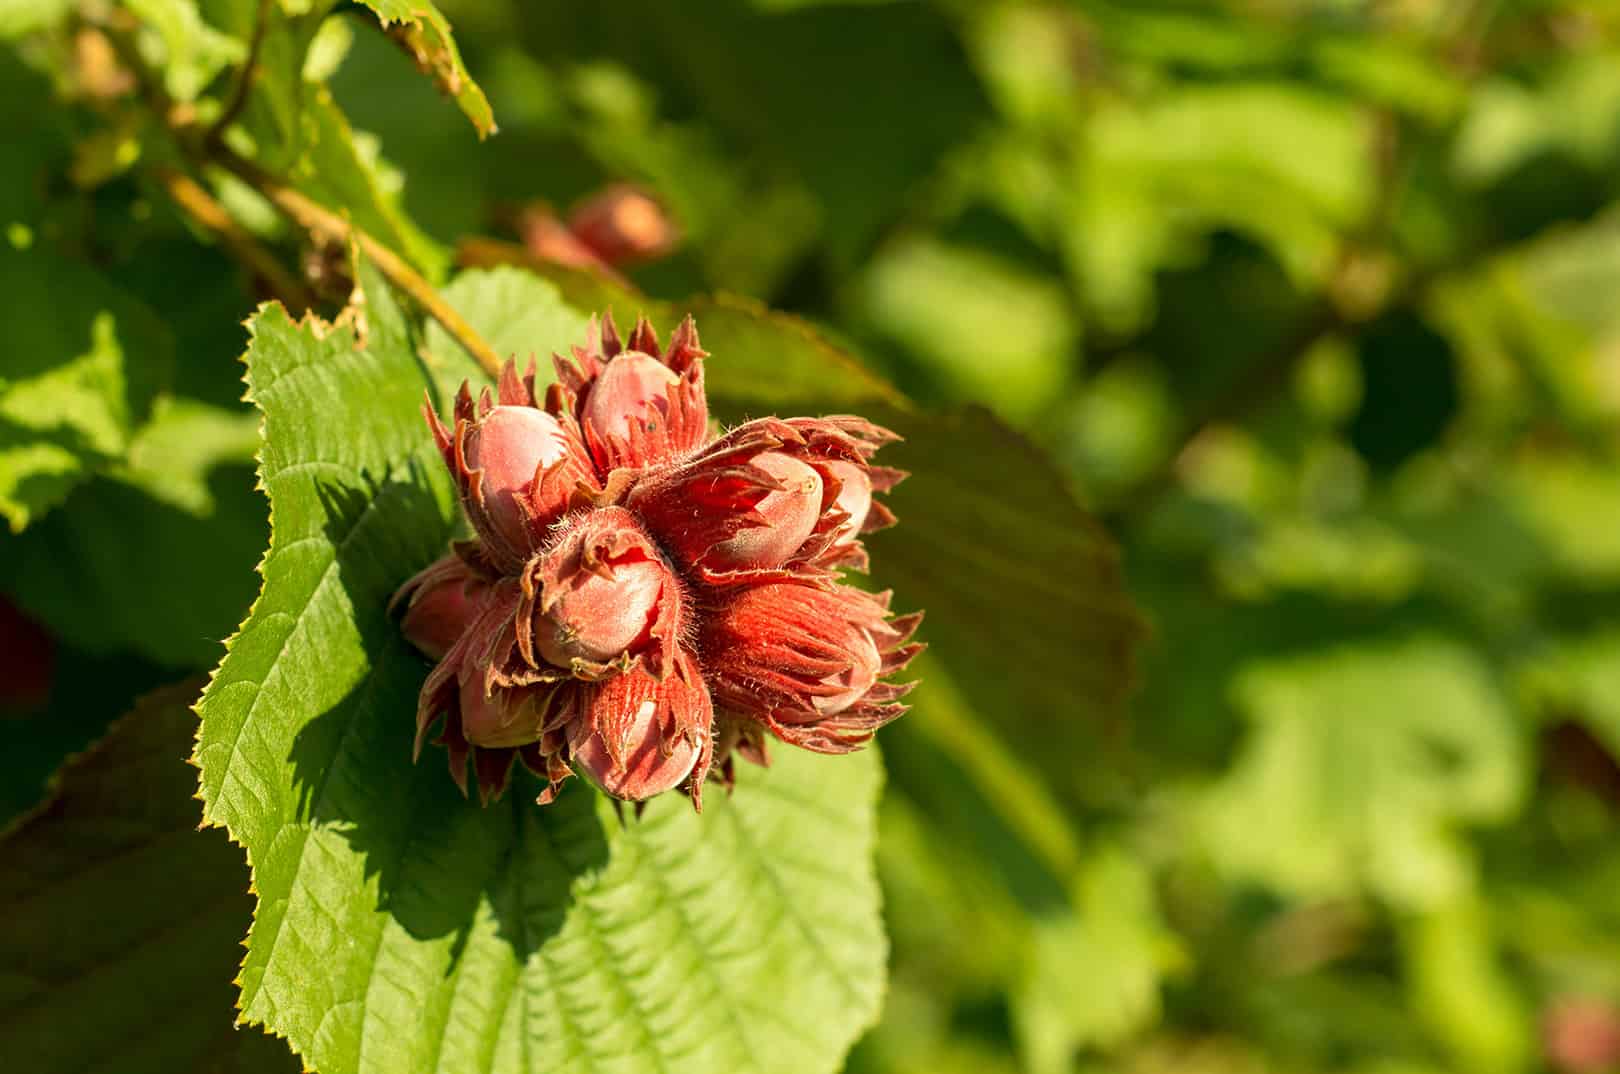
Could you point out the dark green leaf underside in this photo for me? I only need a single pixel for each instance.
(120, 921)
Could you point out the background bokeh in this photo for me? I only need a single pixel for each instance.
(1317, 305)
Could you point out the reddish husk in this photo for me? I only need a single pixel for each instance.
(600, 598)
(622, 224)
(439, 605)
(807, 661)
(644, 601)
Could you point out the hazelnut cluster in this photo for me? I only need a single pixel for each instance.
(645, 600)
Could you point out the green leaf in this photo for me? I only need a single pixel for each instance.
(19, 17)
(1571, 108)
(953, 306)
(519, 315)
(295, 129)
(343, 169)
(174, 453)
(174, 582)
(1363, 762)
(189, 52)
(994, 887)
(1093, 975)
(273, 114)
(423, 31)
(142, 987)
(1463, 992)
(1579, 675)
(1557, 495)
(80, 368)
(1281, 164)
(400, 927)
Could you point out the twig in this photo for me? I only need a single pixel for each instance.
(319, 220)
(308, 214)
(250, 71)
(299, 208)
(190, 197)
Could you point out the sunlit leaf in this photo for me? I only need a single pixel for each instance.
(423, 31)
(1362, 765)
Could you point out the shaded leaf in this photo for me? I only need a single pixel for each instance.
(343, 170)
(86, 692)
(169, 587)
(795, 92)
(1025, 597)
(298, 131)
(145, 989)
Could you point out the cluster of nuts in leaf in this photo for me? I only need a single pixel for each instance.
(646, 600)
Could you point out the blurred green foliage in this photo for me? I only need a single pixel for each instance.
(1313, 301)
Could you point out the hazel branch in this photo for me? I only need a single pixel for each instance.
(191, 198)
(297, 207)
(250, 71)
(321, 221)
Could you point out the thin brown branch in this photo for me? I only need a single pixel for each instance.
(297, 207)
(303, 209)
(323, 222)
(192, 199)
(250, 71)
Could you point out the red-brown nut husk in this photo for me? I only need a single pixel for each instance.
(518, 467)
(762, 502)
(1581, 1035)
(788, 514)
(849, 486)
(548, 238)
(634, 735)
(599, 599)
(637, 404)
(736, 736)
(622, 224)
(808, 661)
(486, 716)
(440, 603)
